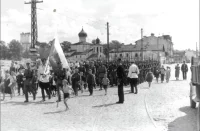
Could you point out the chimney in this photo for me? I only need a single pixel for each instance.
(152, 34)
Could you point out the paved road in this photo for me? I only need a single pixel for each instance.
(97, 113)
(168, 104)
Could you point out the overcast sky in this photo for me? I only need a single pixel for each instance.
(178, 18)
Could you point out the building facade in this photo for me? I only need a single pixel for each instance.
(133, 53)
(179, 56)
(84, 50)
(164, 41)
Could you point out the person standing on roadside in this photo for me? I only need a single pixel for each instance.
(162, 72)
(177, 71)
(149, 77)
(120, 78)
(184, 69)
(168, 74)
(133, 77)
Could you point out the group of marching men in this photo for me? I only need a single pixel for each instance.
(88, 74)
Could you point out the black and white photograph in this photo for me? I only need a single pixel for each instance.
(99, 65)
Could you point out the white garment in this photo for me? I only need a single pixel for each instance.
(133, 71)
(43, 77)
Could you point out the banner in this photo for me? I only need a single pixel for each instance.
(57, 55)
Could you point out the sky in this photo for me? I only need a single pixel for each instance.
(177, 18)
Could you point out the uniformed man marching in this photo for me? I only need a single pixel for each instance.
(28, 75)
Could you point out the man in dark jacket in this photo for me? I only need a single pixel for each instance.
(184, 69)
(28, 76)
(120, 76)
(20, 82)
(75, 81)
(90, 81)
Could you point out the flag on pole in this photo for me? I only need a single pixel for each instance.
(57, 55)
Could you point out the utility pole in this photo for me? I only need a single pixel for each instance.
(142, 44)
(34, 31)
(196, 50)
(108, 41)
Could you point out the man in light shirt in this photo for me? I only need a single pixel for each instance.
(133, 77)
(43, 76)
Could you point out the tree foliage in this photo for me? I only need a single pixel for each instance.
(15, 49)
(66, 46)
(4, 51)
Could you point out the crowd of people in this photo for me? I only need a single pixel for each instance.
(79, 77)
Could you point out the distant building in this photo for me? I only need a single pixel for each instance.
(25, 40)
(179, 56)
(84, 50)
(156, 48)
(164, 41)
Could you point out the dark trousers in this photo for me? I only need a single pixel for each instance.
(58, 86)
(121, 91)
(184, 75)
(90, 88)
(20, 86)
(45, 86)
(162, 77)
(75, 87)
(28, 88)
(133, 83)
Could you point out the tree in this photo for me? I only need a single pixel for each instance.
(4, 51)
(66, 46)
(15, 49)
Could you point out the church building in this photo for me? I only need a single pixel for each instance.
(84, 50)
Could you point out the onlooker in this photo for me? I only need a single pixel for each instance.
(162, 72)
(168, 74)
(177, 71)
(149, 77)
(105, 82)
(184, 69)
(133, 77)
(157, 73)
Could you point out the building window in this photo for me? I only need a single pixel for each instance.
(100, 49)
(80, 56)
(76, 56)
(120, 55)
(97, 49)
(126, 55)
(136, 55)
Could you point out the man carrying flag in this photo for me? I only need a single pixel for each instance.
(59, 64)
(43, 76)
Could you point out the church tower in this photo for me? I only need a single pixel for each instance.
(82, 36)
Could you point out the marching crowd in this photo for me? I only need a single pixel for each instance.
(88, 74)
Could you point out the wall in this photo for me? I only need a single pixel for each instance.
(81, 47)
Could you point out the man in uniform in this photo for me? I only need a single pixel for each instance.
(133, 77)
(120, 76)
(28, 75)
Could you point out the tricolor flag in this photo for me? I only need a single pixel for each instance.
(56, 55)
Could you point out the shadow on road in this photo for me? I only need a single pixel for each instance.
(28, 103)
(185, 123)
(46, 113)
(104, 105)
